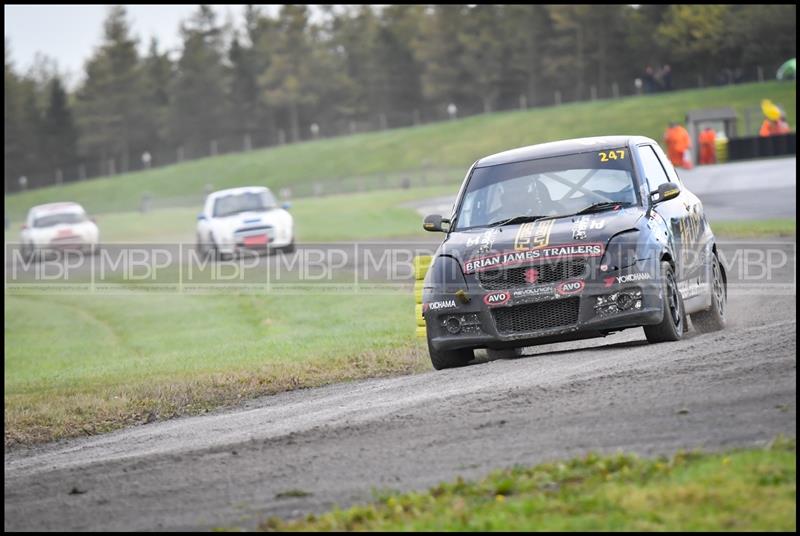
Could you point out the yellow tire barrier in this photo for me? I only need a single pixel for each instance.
(421, 265)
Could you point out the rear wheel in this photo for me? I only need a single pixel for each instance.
(443, 359)
(713, 319)
(672, 324)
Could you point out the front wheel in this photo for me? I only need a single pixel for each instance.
(443, 359)
(713, 319)
(672, 324)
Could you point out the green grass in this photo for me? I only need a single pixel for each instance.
(740, 490)
(84, 364)
(362, 216)
(755, 228)
(440, 152)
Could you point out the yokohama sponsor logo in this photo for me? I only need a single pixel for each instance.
(639, 276)
(542, 253)
(570, 287)
(446, 304)
(496, 298)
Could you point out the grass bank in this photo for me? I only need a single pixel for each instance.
(109, 361)
(740, 490)
(779, 227)
(434, 154)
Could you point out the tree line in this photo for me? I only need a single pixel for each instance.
(285, 78)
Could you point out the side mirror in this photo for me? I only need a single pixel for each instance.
(433, 223)
(286, 205)
(201, 216)
(665, 192)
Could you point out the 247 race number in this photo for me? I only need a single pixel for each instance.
(617, 154)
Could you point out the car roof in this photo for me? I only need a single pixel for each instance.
(562, 147)
(237, 191)
(66, 206)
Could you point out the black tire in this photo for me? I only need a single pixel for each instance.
(444, 359)
(672, 325)
(288, 249)
(713, 318)
(505, 353)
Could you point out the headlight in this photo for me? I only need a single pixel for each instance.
(622, 251)
(445, 275)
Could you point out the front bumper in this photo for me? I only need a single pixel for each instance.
(539, 314)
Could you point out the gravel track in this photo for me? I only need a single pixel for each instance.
(338, 443)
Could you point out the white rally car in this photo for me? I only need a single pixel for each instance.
(58, 226)
(240, 219)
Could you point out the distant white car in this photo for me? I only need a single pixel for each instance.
(240, 219)
(58, 226)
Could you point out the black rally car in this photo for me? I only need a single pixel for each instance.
(570, 240)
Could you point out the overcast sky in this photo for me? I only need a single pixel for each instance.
(69, 33)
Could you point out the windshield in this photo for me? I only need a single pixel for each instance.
(245, 202)
(59, 219)
(546, 187)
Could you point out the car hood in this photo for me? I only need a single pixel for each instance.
(594, 229)
(277, 217)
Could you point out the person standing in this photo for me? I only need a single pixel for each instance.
(678, 142)
(708, 146)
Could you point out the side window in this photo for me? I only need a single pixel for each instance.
(653, 170)
(671, 171)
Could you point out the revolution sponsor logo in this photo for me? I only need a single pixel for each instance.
(535, 292)
(493, 299)
(542, 253)
(570, 287)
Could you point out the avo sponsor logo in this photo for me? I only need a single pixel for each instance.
(437, 305)
(494, 299)
(570, 287)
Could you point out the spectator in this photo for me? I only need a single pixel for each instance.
(678, 144)
(649, 80)
(774, 128)
(708, 146)
(666, 78)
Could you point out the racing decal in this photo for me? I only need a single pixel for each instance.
(535, 292)
(688, 289)
(583, 224)
(570, 287)
(627, 278)
(606, 156)
(435, 306)
(518, 257)
(531, 276)
(493, 299)
(484, 241)
(533, 235)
